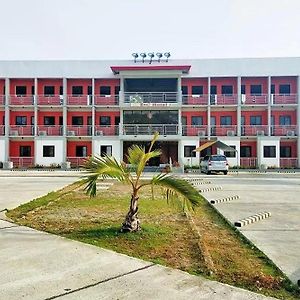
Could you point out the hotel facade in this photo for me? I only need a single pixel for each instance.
(59, 112)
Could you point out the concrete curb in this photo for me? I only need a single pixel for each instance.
(194, 179)
(201, 182)
(216, 188)
(226, 199)
(252, 219)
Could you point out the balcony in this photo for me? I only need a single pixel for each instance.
(248, 162)
(150, 99)
(284, 130)
(194, 130)
(18, 130)
(254, 130)
(43, 130)
(76, 162)
(107, 100)
(224, 130)
(110, 130)
(2, 100)
(2, 130)
(21, 100)
(22, 162)
(142, 129)
(79, 100)
(223, 99)
(73, 130)
(195, 99)
(289, 163)
(254, 99)
(284, 99)
(50, 100)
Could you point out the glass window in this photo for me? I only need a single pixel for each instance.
(285, 151)
(49, 90)
(117, 90)
(269, 151)
(21, 120)
(272, 88)
(243, 89)
(81, 151)
(21, 90)
(61, 90)
(255, 89)
(90, 90)
(49, 121)
(285, 120)
(197, 120)
(284, 89)
(197, 90)
(213, 89)
(184, 90)
(77, 90)
(105, 120)
(255, 120)
(106, 150)
(150, 117)
(230, 153)
(48, 151)
(246, 151)
(227, 89)
(226, 120)
(77, 121)
(25, 151)
(104, 90)
(188, 151)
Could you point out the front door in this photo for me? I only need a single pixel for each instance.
(212, 126)
(117, 122)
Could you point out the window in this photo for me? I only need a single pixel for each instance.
(77, 121)
(32, 90)
(243, 89)
(284, 89)
(272, 88)
(285, 151)
(90, 90)
(213, 89)
(117, 90)
(285, 120)
(61, 120)
(105, 120)
(77, 90)
(21, 120)
(255, 120)
(106, 150)
(197, 90)
(230, 153)
(49, 90)
(48, 151)
(25, 151)
(226, 120)
(104, 90)
(197, 120)
(81, 151)
(227, 89)
(61, 90)
(21, 90)
(184, 90)
(49, 121)
(245, 151)
(255, 89)
(188, 151)
(269, 151)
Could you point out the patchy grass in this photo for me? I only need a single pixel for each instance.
(166, 237)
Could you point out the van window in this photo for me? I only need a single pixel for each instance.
(218, 158)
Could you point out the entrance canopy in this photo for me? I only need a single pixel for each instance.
(218, 144)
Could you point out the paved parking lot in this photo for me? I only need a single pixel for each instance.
(278, 236)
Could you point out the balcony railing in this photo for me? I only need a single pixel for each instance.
(17, 130)
(284, 99)
(50, 100)
(141, 129)
(254, 99)
(284, 130)
(254, 130)
(22, 162)
(289, 162)
(110, 130)
(76, 161)
(79, 100)
(106, 100)
(223, 99)
(150, 99)
(21, 100)
(85, 130)
(195, 99)
(248, 162)
(2, 129)
(55, 130)
(2, 99)
(224, 130)
(194, 130)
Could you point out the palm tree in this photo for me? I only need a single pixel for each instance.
(108, 167)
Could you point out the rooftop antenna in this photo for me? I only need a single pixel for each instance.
(135, 55)
(167, 55)
(143, 55)
(151, 55)
(159, 55)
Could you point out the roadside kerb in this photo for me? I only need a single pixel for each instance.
(226, 199)
(210, 189)
(252, 219)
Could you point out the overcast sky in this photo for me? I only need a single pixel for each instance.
(113, 29)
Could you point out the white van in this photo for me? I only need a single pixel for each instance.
(214, 163)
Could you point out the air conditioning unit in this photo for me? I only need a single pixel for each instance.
(201, 133)
(14, 133)
(230, 133)
(260, 133)
(61, 99)
(42, 133)
(290, 133)
(71, 133)
(243, 99)
(272, 99)
(213, 99)
(99, 132)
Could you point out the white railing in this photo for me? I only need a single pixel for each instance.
(76, 161)
(17, 130)
(21, 100)
(85, 130)
(248, 162)
(21, 162)
(2, 129)
(142, 129)
(194, 130)
(223, 130)
(140, 99)
(50, 100)
(254, 99)
(2, 99)
(284, 130)
(284, 99)
(288, 162)
(223, 99)
(55, 130)
(106, 100)
(254, 130)
(195, 99)
(109, 130)
(79, 100)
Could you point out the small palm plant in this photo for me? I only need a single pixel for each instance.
(108, 167)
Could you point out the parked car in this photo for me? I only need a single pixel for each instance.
(214, 163)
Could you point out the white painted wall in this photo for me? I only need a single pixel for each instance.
(2, 150)
(268, 161)
(58, 154)
(115, 143)
(231, 141)
(194, 161)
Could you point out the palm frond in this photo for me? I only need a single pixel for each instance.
(178, 189)
(135, 153)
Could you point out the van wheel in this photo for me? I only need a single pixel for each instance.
(225, 172)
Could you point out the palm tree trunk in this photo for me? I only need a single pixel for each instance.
(132, 222)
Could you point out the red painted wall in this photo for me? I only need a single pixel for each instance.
(106, 82)
(13, 114)
(2, 113)
(224, 81)
(219, 114)
(71, 147)
(84, 114)
(42, 114)
(29, 83)
(189, 82)
(285, 80)
(2, 85)
(190, 114)
(278, 113)
(253, 146)
(57, 83)
(112, 115)
(78, 82)
(292, 144)
(14, 147)
(248, 81)
(247, 114)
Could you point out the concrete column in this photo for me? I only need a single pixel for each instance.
(298, 120)
(179, 122)
(35, 129)
(121, 93)
(6, 118)
(65, 119)
(179, 92)
(93, 114)
(239, 106)
(269, 106)
(208, 109)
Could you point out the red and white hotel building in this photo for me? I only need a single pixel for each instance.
(53, 112)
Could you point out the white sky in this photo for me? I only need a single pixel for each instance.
(113, 29)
